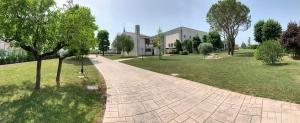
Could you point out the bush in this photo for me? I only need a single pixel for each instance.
(253, 46)
(269, 52)
(184, 52)
(205, 48)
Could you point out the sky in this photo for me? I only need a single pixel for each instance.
(114, 15)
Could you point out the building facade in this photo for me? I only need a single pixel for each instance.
(181, 34)
(143, 44)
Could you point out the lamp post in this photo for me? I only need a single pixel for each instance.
(81, 49)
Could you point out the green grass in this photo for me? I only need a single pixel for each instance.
(117, 56)
(240, 73)
(72, 102)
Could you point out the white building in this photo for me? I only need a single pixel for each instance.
(181, 34)
(143, 43)
(4, 45)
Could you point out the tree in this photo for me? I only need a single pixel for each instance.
(269, 52)
(243, 46)
(103, 36)
(188, 45)
(205, 48)
(271, 30)
(229, 17)
(258, 34)
(290, 39)
(159, 42)
(215, 39)
(33, 25)
(196, 43)
(123, 43)
(77, 32)
(178, 46)
(205, 40)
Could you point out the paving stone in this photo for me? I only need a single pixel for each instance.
(135, 95)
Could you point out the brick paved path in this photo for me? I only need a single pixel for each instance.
(140, 96)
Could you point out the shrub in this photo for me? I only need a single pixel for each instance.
(205, 48)
(184, 52)
(269, 52)
(253, 46)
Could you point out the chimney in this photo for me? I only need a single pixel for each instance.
(137, 29)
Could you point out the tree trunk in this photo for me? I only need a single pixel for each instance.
(38, 74)
(232, 47)
(60, 61)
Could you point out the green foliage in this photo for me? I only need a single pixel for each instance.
(253, 46)
(205, 48)
(205, 40)
(243, 46)
(215, 39)
(123, 43)
(269, 52)
(271, 30)
(103, 36)
(196, 42)
(78, 28)
(184, 52)
(188, 45)
(258, 33)
(229, 17)
(290, 39)
(159, 42)
(178, 46)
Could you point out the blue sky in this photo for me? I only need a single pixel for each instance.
(113, 15)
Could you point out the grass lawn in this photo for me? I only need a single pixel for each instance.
(240, 73)
(72, 102)
(117, 56)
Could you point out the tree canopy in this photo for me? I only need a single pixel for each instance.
(290, 38)
(271, 30)
(103, 36)
(123, 43)
(196, 42)
(159, 42)
(215, 39)
(34, 26)
(229, 17)
(258, 34)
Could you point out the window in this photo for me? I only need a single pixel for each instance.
(184, 36)
(190, 37)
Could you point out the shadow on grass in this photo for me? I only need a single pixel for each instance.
(279, 64)
(69, 103)
(77, 62)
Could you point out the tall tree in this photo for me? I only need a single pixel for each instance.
(103, 36)
(271, 30)
(215, 39)
(229, 17)
(178, 46)
(258, 34)
(205, 39)
(33, 24)
(188, 45)
(196, 43)
(77, 32)
(290, 38)
(159, 42)
(123, 43)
